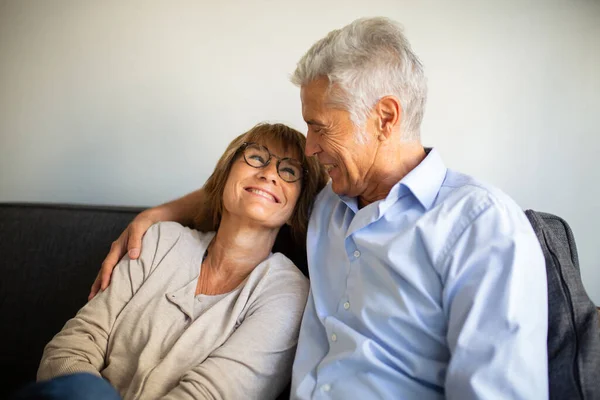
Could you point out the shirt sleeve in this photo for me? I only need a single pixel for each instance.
(495, 297)
(255, 362)
(81, 344)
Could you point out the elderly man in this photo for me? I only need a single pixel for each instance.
(425, 283)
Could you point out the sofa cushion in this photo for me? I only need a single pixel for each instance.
(573, 328)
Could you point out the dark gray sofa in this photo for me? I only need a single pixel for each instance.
(51, 254)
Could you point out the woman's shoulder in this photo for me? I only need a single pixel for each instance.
(170, 245)
(279, 262)
(170, 230)
(277, 287)
(279, 271)
(168, 237)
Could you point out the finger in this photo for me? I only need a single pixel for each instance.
(114, 255)
(135, 240)
(95, 288)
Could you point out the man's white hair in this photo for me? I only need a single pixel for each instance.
(365, 61)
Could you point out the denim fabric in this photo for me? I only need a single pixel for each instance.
(81, 386)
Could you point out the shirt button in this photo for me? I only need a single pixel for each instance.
(326, 387)
(333, 337)
(346, 305)
(356, 253)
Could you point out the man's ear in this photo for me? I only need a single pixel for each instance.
(389, 115)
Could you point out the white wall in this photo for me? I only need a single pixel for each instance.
(131, 102)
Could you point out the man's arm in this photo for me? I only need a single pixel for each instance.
(81, 344)
(185, 210)
(495, 297)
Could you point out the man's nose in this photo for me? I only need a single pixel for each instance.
(312, 147)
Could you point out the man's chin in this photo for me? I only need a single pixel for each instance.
(339, 188)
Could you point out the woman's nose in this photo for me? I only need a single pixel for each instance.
(269, 172)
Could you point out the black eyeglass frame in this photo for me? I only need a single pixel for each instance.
(245, 145)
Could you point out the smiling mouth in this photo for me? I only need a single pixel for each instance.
(329, 167)
(263, 193)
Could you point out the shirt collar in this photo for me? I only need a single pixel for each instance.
(426, 179)
(424, 182)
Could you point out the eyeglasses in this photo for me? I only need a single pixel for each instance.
(257, 156)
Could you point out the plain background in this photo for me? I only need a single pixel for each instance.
(132, 102)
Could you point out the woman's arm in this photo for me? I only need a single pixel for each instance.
(256, 361)
(81, 345)
(183, 210)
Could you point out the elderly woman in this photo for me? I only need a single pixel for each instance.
(204, 315)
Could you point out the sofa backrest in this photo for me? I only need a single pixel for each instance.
(51, 255)
(573, 327)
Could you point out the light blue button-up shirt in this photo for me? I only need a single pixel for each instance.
(437, 291)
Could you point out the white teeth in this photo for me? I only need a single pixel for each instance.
(329, 167)
(263, 194)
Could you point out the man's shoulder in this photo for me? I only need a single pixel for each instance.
(479, 211)
(466, 204)
(466, 192)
